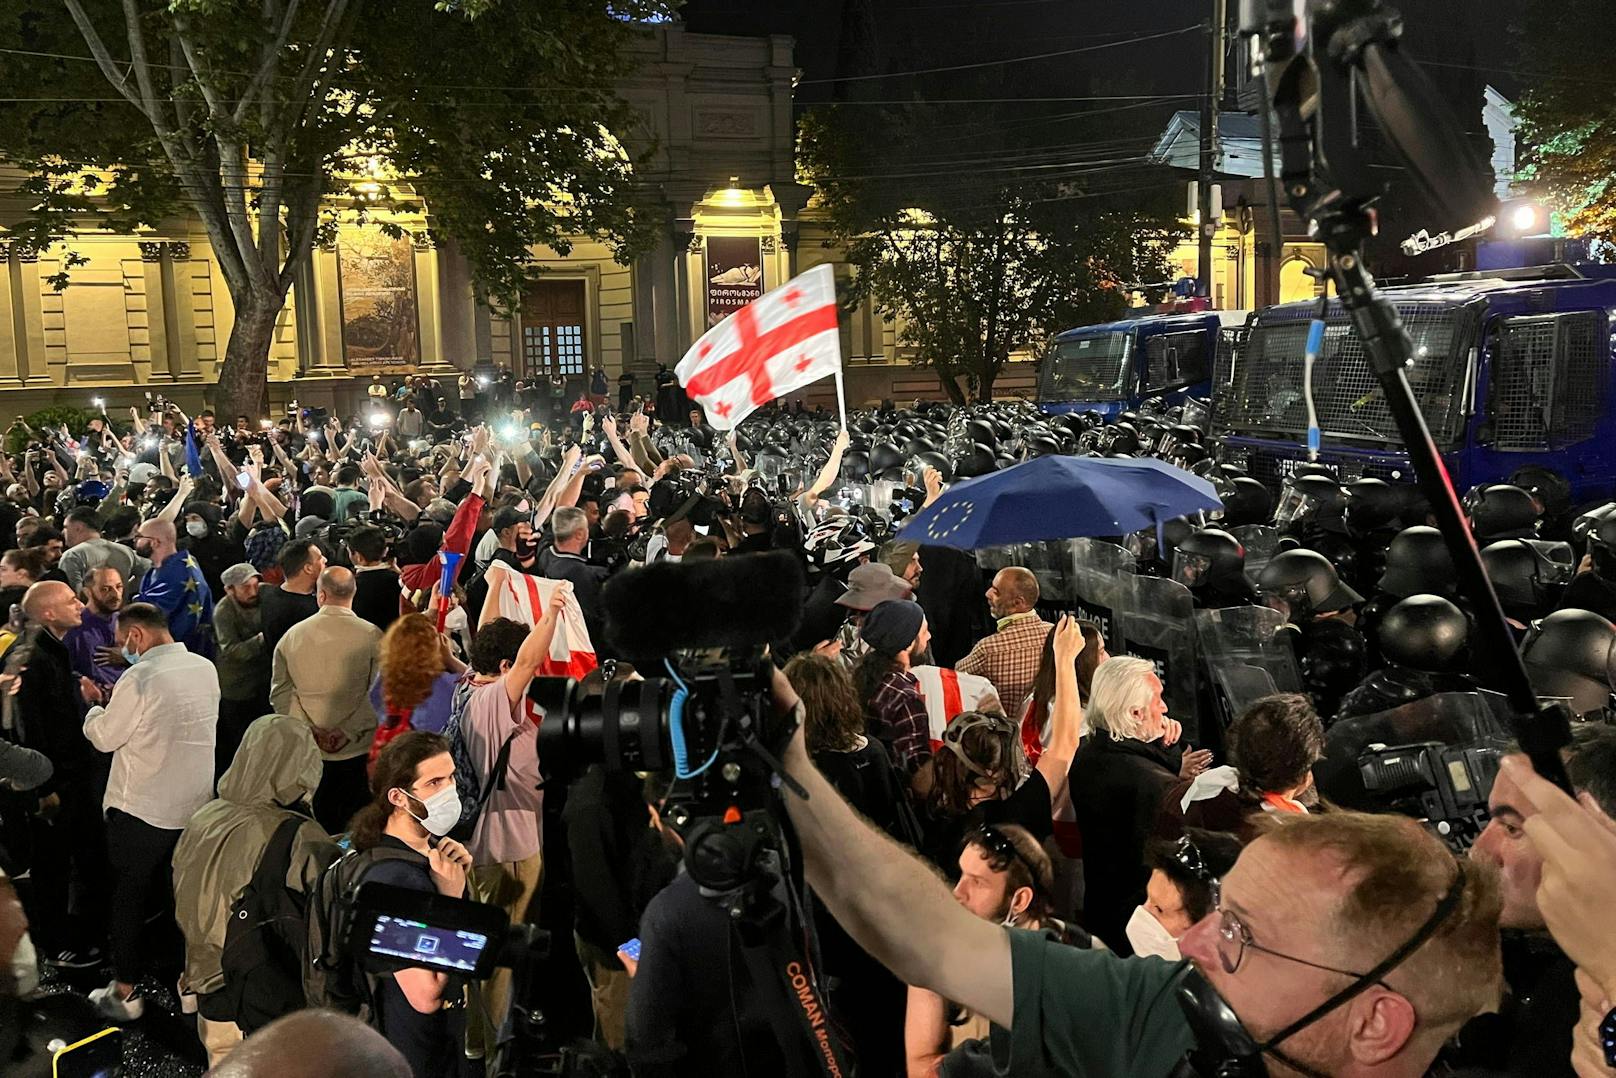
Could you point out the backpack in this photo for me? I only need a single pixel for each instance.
(262, 960)
(339, 982)
(473, 794)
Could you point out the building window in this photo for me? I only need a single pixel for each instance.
(553, 329)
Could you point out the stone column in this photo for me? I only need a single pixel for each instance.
(12, 347)
(457, 309)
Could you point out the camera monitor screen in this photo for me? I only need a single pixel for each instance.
(446, 949)
(395, 927)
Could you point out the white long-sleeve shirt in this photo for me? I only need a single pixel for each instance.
(159, 727)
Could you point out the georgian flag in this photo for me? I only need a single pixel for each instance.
(780, 341)
(949, 693)
(522, 598)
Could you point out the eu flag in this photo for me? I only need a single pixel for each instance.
(193, 459)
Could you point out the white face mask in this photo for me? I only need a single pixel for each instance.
(442, 811)
(196, 529)
(1148, 936)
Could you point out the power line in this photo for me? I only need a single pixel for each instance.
(1007, 60)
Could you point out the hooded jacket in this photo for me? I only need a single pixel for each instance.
(277, 766)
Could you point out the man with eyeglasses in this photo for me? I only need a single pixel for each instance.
(1339, 944)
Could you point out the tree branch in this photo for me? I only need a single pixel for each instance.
(103, 58)
(210, 93)
(302, 88)
(137, 54)
(270, 59)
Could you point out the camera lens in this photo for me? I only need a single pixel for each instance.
(624, 729)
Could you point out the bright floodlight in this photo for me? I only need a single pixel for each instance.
(1524, 218)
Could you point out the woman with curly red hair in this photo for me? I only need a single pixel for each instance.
(415, 688)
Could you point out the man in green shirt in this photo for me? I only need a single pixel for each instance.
(1306, 912)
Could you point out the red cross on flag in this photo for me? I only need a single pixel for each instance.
(780, 341)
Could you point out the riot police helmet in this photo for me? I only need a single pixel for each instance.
(1248, 502)
(1206, 555)
(1500, 511)
(1572, 653)
(1528, 575)
(1303, 583)
(1424, 632)
(1417, 560)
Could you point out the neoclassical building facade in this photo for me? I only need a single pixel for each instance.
(151, 311)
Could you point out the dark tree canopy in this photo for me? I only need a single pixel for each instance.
(980, 234)
(271, 119)
(1568, 114)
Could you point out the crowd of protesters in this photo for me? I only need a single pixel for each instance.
(270, 641)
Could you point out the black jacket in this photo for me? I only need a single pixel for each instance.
(50, 710)
(1117, 787)
(952, 594)
(376, 596)
(1530, 1035)
(586, 581)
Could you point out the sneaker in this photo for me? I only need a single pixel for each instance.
(89, 959)
(111, 1004)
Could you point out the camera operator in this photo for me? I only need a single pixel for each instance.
(1532, 1032)
(690, 1011)
(375, 577)
(413, 806)
(1318, 896)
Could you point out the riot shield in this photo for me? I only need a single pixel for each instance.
(1244, 657)
(1434, 759)
(1051, 563)
(1261, 542)
(1100, 574)
(1156, 619)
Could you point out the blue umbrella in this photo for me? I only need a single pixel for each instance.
(1060, 498)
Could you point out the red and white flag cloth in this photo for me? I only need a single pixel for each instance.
(780, 341)
(949, 693)
(522, 598)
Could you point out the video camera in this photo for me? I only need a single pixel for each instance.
(1447, 786)
(713, 723)
(394, 928)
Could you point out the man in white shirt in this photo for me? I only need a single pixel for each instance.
(159, 727)
(323, 669)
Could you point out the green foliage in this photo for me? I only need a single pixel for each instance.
(269, 119)
(973, 254)
(1568, 114)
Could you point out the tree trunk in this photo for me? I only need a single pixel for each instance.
(244, 377)
(984, 382)
(951, 387)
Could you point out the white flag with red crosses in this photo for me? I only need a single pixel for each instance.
(780, 341)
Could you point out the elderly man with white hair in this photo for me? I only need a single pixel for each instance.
(1123, 767)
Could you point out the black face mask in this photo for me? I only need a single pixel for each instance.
(1223, 1046)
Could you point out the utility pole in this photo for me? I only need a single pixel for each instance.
(1210, 102)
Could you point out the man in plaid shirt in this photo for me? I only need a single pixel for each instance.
(895, 630)
(1009, 657)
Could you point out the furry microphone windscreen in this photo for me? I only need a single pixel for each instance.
(731, 601)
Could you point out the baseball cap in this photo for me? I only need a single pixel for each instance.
(239, 573)
(140, 472)
(508, 517)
